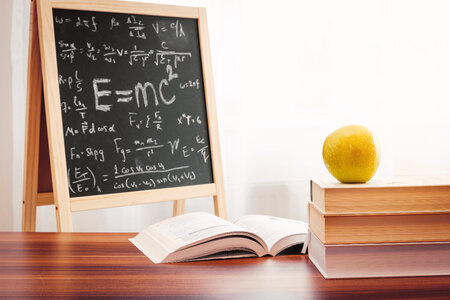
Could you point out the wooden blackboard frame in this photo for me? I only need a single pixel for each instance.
(43, 73)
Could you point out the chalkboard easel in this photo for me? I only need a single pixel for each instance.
(76, 162)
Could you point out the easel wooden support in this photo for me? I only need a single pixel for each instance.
(45, 178)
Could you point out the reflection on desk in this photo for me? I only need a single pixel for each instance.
(107, 264)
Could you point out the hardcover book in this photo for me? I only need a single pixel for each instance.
(334, 228)
(396, 194)
(380, 260)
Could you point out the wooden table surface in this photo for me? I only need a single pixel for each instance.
(64, 265)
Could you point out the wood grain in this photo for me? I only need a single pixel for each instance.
(142, 197)
(211, 111)
(45, 199)
(128, 7)
(178, 207)
(62, 265)
(33, 118)
(53, 115)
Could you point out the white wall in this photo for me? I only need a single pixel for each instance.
(287, 73)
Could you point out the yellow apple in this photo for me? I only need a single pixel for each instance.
(351, 154)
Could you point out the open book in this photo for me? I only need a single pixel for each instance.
(203, 236)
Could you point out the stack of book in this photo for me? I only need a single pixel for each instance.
(395, 227)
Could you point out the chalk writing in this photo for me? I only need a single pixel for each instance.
(132, 102)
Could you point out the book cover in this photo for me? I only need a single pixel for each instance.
(396, 194)
(333, 228)
(380, 260)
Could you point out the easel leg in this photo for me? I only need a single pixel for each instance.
(220, 207)
(63, 218)
(34, 94)
(52, 111)
(178, 207)
(29, 215)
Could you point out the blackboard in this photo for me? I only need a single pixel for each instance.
(132, 102)
(120, 108)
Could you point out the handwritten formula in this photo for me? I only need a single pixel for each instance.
(132, 102)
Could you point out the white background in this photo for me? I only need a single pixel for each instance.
(287, 73)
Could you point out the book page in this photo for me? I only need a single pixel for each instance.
(395, 181)
(195, 235)
(190, 228)
(225, 255)
(272, 229)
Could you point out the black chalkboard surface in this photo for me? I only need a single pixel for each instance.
(132, 101)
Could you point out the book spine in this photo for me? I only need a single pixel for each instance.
(378, 228)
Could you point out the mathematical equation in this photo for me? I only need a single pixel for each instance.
(132, 102)
(134, 56)
(135, 27)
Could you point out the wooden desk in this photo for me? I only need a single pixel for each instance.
(107, 264)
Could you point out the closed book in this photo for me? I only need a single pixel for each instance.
(380, 260)
(396, 194)
(379, 228)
